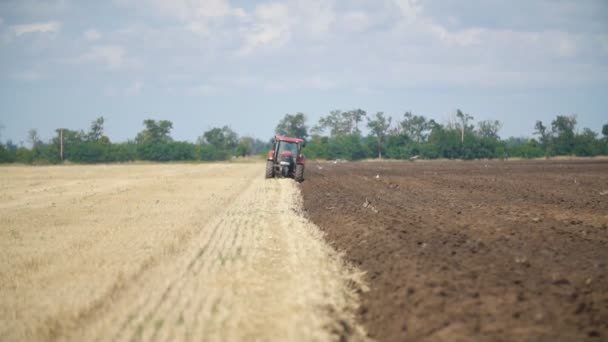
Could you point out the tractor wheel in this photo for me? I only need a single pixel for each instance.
(299, 177)
(269, 169)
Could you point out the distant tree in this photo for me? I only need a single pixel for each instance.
(293, 125)
(123, 152)
(489, 129)
(446, 141)
(153, 143)
(353, 118)
(379, 126)
(587, 144)
(96, 131)
(416, 127)
(6, 156)
(399, 146)
(11, 146)
(218, 144)
(221, 138)
(181, 150)
(605, 134)
(562, 129)
(333, 122)
(245, 147)
(541, 131)
(33, 137)
(464, 123)
(155, 132)
(340, 123)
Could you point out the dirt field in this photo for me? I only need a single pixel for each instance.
(472, 251)
(165, 252)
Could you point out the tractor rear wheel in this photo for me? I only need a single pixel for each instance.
(299, 177)
(269, 169)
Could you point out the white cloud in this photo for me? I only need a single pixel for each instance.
(45, 27)
(112, 56)
(188, 10)
(270, 28)
(275, 46)
(315, 17)
(462, 38)
(37, 8)
(410, 9)
(92, 35)
(196, 15)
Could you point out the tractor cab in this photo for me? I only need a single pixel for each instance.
(285, 159)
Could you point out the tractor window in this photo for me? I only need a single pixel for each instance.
(285, 146)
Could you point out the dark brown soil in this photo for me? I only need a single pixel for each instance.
(471, 251)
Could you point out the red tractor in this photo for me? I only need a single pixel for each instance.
(285, 159)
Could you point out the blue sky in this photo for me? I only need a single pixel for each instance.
(206, 63)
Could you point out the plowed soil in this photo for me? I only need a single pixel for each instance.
(208, 252)
(471, 251)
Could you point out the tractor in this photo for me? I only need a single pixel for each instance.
(285, 159)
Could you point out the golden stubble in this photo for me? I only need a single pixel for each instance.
(166, 252)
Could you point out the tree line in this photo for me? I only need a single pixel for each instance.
(338, 135)
(153, 143)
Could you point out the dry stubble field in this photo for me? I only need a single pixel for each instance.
(165, 252)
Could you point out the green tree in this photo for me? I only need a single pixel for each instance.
(24, 155)
(464, 123)
(543, 134)
(153, 141)
(399, 146)
(339, 123)
(155, 132)
(123, 152)
(416, 127)
(378, 127)
(446, 141)
(10, 146)
(318, 147)
(73, 142)
(488, 129)
(333, 122)
(33, 137)
(605, 131)
(181, 150)
(293, 125)
(356, 116)
(221, 138)
(245, 147)
(96, 131)
(218, 144)
(587, 144)
(562, 129)
(6, 156)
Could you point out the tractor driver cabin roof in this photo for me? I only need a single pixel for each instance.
(287, 139)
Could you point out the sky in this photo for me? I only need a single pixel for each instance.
(245, 64)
